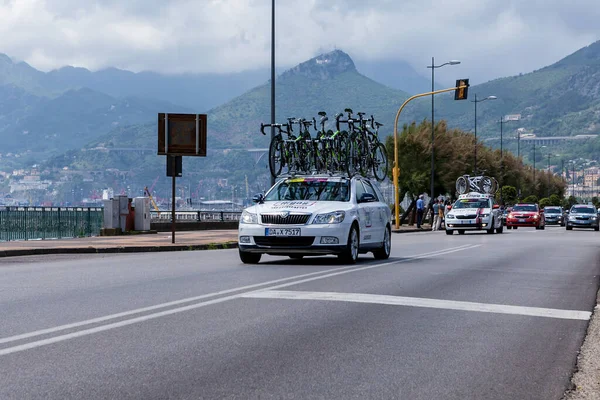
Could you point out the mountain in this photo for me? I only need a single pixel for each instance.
(562, 99)
(195, 91)
(396, 74)
(329, 82)
(44, 125)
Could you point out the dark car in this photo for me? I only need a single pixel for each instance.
(525, 215)
(554, 215)
(583, 216)
(504, 215)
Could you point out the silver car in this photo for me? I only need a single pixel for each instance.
(583, 216)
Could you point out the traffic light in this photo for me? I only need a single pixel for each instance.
(461, 93)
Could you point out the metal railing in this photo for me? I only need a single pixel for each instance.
(196, 216)
(29, 223)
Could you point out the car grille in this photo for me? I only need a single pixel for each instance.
(279, 241)
(473, 216)
(292, 219)
(582, 218)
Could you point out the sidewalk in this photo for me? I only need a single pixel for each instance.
(184, 240)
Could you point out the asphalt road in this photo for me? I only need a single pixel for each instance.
(474, 316)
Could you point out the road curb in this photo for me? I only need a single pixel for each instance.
(410, 230)
(122, 249)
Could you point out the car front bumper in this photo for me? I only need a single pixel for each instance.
(582, 224)
(467, 224)
(523, 222)
(314, 239)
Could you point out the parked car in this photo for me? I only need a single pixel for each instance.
(317, 215)
(583, 216)
(554, 215)
(525, 215)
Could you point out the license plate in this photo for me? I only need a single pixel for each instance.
(282, 231)
(522, 220)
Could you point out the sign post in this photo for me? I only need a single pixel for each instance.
(180, 135)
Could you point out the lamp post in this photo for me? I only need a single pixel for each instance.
(478, 101)
(502, 122)
(433, 67)
(272, 76)
(534, 166)
(548, 195)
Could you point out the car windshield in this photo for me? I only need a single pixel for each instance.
(472, 203)
(323, 189)
(583, 210)
(549, 210)
(525, 207)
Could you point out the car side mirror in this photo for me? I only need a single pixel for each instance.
(259, 198)
(495, 206)
(367, 198)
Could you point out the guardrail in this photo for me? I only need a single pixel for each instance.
(30, 223)
(196, 216)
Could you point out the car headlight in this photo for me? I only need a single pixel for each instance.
(594, 218)
(571, 218)
(511, 215)
(330, 218)
(248, 218)
(451, 216)
(536, 216)
(485, 215)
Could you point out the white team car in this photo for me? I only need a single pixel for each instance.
(474, 211)
(317, 215)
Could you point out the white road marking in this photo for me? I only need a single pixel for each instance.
(327, 274)
(421, 302)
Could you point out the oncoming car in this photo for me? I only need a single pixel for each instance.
(523, 215)
(474, 211)
(583, 216)
(316, 215)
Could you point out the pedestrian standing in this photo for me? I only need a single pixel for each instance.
(441, 214)
(420, 210)
(436, 215)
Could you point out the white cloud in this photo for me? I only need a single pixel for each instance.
(492, 38)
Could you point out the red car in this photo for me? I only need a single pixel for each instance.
(525, 215)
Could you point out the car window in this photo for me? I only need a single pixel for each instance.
(472, 203)
(552, 210)
(360, 189)
(525, 207)
(310, 189)
(369, 189)
(583, 210)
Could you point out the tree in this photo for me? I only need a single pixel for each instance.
(531, 199)
(555, 200)
(544, 202)
(509, 194)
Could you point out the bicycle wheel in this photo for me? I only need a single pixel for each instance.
(462, 185)
(486, 185)
(276, 158)
(364, 157)
(496, 186)
(306, 157)
(351, 158)
(380, 162)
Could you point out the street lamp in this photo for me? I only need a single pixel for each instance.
(478, 101)
(433, 67)
(272, 76)
(502, 122)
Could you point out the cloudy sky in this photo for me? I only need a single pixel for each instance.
(492, 38)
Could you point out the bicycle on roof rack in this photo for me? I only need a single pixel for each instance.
(352, 151)
(480, 184)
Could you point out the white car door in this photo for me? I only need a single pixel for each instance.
(379, 214)
(368, 214)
